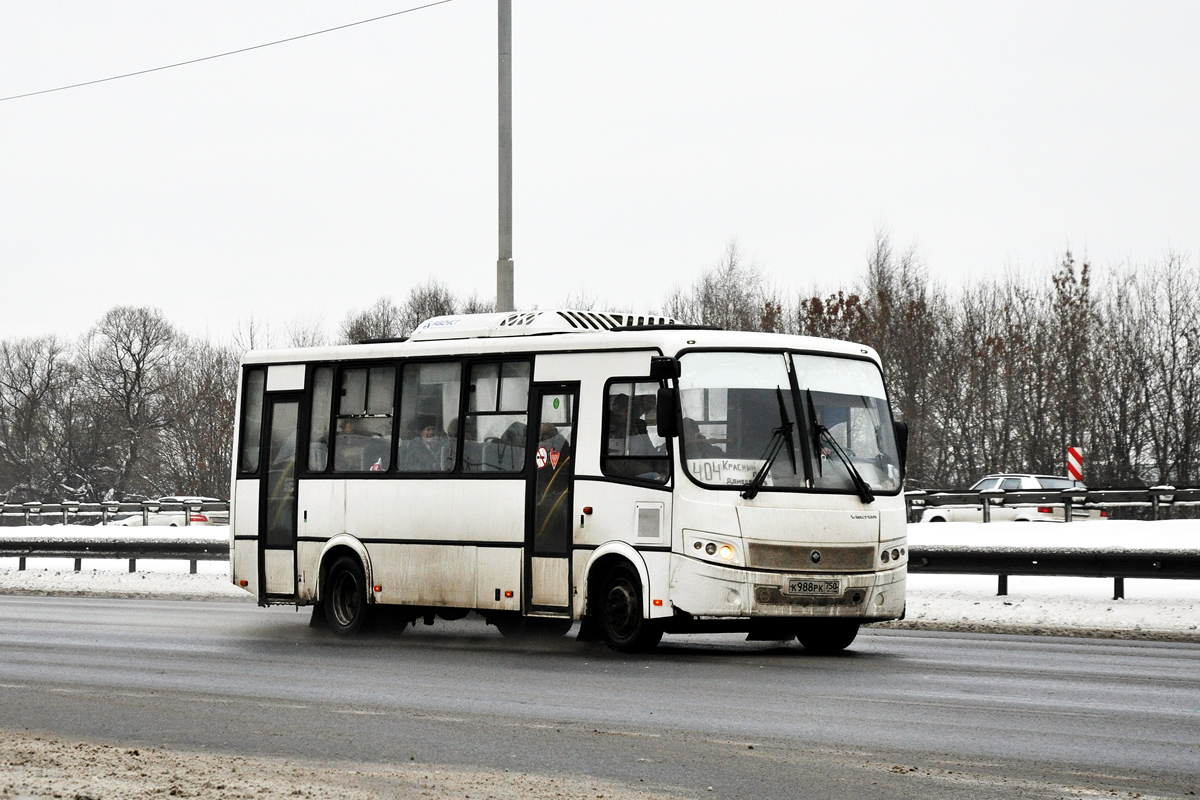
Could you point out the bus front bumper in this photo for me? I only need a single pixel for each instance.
(704, 590)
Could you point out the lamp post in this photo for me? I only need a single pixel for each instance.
(504, 264)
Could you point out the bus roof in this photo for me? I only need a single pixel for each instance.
(555, 331)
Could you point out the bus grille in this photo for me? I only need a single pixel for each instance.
(799, 558)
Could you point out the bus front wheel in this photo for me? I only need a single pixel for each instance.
(827, 635)
(620, 614)
(345, 601)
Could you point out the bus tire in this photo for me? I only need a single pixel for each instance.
(620, 615)
(345, 600)
(826, 636)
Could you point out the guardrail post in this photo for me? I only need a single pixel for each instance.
(1070, 497)
(1118, 588)
(192, 567)
(32, 507)
(133, 565)
(79, 565)
(1158, 495)
(147, 507)
(21, 564)
(106, 509)
(986, 497)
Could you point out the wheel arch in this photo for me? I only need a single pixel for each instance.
(344, 544)
(604, 558)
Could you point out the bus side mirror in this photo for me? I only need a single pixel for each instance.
(668, 423)
(901, 429)
(663, 368)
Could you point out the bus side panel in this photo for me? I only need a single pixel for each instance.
(637, 515)
(308, 555)
(436, 510)
(499, 571)
(322, 508)
(425, 575)
(243, 560)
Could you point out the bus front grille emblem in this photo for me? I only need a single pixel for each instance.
(815, 555)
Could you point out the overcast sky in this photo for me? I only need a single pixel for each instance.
(301, 181)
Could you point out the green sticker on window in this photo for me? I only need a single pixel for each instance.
(556, 402)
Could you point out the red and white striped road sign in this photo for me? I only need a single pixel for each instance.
(1074, 463)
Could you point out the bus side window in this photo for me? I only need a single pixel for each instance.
(362, 440)
(631, 449)
(318, 430)
(252, 419)
(429, 396)
(496, 424)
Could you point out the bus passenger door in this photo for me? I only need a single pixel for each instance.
(549, 530)
(278, 493)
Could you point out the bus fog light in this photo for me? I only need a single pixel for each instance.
(710, 548)
(879, 599)
(726, 552)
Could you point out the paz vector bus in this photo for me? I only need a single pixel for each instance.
(540, 468)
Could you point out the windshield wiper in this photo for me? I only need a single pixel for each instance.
(864, 490)
(820, 432)
(779, 437)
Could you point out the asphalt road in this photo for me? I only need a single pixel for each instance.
(901, 714)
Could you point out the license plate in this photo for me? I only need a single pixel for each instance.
(826, 587)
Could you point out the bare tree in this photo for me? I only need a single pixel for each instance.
(197, 446)
(732, 295)
(253, 333)
(1168, 295)
(306, 333)
(425, 301)
(33, 373)
(129, 361)
(383, 320)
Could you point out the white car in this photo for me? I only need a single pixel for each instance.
(175, 518)
(1007, 513)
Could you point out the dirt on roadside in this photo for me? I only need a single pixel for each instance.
(36, 767)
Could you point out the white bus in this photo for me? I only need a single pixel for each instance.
(547, 467)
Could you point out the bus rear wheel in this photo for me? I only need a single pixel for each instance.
(827, 635)
(345, 600)
(620, 615)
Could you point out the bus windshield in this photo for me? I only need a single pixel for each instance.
(735, 405)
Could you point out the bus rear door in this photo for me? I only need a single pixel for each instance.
(278, 493)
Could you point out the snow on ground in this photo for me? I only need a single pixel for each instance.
(1152, 609)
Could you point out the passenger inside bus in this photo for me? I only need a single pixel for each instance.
(362, 444)
(426, 451)
(628, 436)
(695, 444)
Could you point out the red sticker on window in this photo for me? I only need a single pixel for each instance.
(541, 457)
(554, 459)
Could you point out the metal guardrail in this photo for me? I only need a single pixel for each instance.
(191, 550)
(66, 511)
(1154, 497)
(1115, 563)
